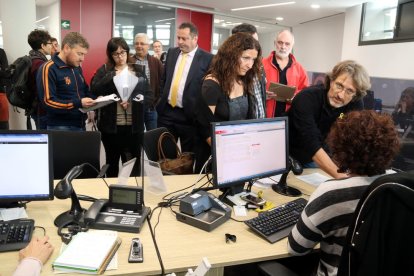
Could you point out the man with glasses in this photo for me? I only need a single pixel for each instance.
(153, 71)
(316, 108)
(62, 88)
(281, 67)
(41, 44)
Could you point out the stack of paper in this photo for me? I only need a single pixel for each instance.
(88, 252)
(101, 102)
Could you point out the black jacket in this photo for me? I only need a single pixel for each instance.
(310, 119)
(102, 84)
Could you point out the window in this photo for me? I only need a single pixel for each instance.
(157, 21)
(387, 22)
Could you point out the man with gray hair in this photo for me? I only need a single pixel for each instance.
(153, 71)
(281, 67)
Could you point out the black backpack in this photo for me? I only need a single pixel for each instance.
(19, 93)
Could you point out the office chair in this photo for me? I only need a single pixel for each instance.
(71, 148)
(379, 240)
(151, 138)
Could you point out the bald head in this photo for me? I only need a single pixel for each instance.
(284, 43)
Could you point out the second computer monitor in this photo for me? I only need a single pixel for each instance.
(248, 150)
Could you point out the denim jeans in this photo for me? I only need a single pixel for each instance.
(40, 121)
(65, 128)
(150, 119)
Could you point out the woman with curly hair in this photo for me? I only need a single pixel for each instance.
(227, 92)
(363, 144)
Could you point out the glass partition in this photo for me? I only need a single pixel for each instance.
(157, 21)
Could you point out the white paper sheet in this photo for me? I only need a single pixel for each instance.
(125, 83)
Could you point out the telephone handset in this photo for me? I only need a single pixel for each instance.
(123, 211)
(93, 211)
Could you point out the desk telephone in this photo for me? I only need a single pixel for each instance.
(124, 211)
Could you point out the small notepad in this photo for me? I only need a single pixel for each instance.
(88, 252)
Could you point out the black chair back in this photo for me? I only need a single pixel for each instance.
(380, 239)
(151, 138)
(71, 148)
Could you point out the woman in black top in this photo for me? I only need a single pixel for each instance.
(403, 114)
(121, 123)
(227, 91)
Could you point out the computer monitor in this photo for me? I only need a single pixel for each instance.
(26, 167)
(247, 150)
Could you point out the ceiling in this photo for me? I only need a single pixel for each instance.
(293, 14)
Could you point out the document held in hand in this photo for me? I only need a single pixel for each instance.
(88, 252)
(125, 84)
(101, 102)
(281, 92)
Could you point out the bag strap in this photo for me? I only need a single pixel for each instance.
(166, 135)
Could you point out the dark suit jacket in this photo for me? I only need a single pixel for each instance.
(192, 88)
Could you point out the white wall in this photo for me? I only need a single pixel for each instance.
(393, 60)
(318, 44)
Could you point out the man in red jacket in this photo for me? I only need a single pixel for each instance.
(281, 67)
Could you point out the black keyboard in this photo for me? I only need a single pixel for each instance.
(277, 223)
(15, 234)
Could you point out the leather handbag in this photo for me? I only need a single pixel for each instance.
(182, 164)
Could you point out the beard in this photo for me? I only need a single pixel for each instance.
(282, 54)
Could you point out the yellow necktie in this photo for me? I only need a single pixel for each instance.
(177, 79)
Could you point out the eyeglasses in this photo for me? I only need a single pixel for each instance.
(141, 43)
(339, 87)
(119, 54)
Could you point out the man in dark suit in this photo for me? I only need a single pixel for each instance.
(185, 67)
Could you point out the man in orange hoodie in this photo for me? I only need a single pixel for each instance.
(281, 67)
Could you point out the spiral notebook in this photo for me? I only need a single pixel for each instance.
(88, 252)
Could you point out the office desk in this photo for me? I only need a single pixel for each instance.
(181, 246)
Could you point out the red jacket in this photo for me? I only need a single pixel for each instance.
(295, 75)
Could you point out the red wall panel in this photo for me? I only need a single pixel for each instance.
(96, 26)
(94, 20)
(204, 23)
(70, 10)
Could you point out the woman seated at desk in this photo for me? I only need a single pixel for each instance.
(363, 145)
(403, 114)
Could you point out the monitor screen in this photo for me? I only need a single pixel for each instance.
(248, 150)
(26, 166)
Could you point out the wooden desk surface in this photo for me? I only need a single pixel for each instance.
(181, 246)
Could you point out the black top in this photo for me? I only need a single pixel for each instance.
(3, 66)
(213, 95)
(310, 119)
(281, 106)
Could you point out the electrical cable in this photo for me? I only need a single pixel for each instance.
(156, 247)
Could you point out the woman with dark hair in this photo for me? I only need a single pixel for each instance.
(363, 145)
(404, 110)
(121, 123)
(227, 92)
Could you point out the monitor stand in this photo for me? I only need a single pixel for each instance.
(233, 190)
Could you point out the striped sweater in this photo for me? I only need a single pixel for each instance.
(326, 219)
